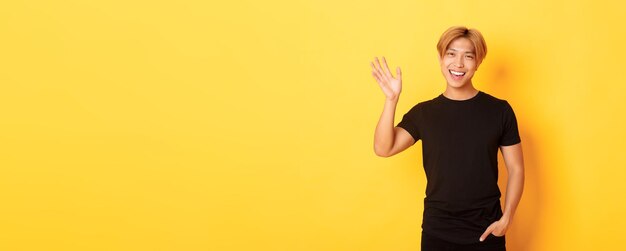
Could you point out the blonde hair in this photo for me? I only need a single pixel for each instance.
(455, 32)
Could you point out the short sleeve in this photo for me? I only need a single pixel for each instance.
(510, 133)
(409, 122)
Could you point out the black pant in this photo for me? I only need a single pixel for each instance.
(431, 243)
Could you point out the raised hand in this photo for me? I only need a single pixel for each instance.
(391, 86)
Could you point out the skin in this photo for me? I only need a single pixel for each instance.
(390, 140)
(459, 57)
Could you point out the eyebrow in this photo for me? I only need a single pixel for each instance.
(472, 52)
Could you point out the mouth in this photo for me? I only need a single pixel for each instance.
(457, 75)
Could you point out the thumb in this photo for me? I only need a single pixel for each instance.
(398, 72)
(487, 232)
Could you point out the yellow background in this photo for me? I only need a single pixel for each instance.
(248, 125)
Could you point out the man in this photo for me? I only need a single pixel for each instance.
(461, 131)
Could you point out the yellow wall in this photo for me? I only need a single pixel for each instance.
(248, 125)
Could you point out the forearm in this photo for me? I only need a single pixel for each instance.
(514, 190)
(384, 134)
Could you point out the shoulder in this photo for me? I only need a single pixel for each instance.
(492, 100)
(427, 103)
(418, 109)
(501, 107)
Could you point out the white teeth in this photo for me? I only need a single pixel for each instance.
(457, 73)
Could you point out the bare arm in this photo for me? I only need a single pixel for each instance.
(389, 140)
(514, 161)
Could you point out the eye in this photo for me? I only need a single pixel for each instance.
(470, 56)
(450, 54)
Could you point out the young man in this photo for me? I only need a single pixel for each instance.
(461, 131)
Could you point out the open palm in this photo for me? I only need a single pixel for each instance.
(391, 86)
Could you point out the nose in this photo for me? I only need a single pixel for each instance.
(459, 62)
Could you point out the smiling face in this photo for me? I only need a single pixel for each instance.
(459, 63)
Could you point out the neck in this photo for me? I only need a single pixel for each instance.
(464, 92)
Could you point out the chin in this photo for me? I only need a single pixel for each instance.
(456, 84)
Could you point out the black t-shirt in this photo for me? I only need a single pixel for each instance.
(460, 141)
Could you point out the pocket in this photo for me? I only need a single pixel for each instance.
(496, 240)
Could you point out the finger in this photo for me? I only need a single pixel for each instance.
(380, 69)
(381, 83)
(398, 73)
(487, 232)
(387, 68)
(376, 77)
(377, 72)
(381, 77)
(498, 233)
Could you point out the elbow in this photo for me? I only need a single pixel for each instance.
(384, 155)
(517, 169)
(517, 173)
(381, 153)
